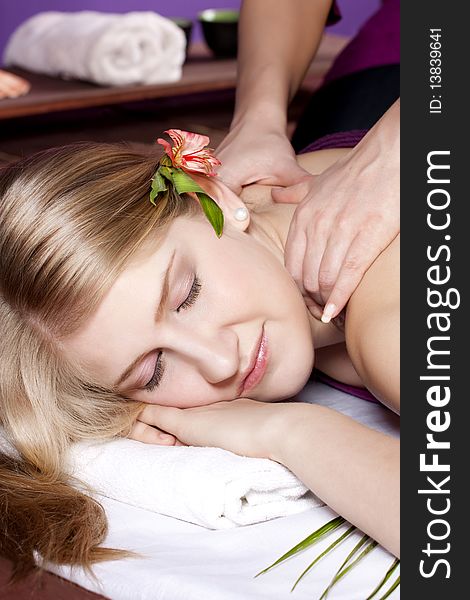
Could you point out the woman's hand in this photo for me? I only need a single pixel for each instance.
(12, 86)
(354, 469)
(345, 218)
(243, 426)
(249, 155)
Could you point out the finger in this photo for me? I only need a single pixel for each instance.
(360, 255)
(165, 418)
(142, 432)
(292, 175)
(293, 194)
(332, 260)
(315, 309)
(317, 239)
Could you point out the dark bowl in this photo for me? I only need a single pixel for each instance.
(187, 26)
(220, 29)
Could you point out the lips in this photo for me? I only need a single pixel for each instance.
(257, 367)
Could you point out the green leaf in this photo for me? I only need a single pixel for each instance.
(393, 587)
(212, 211)
(388, 574)
(158, 185)
(345, 567)
(308, 541)
(341, 538)
(166, 172)
(184, 183)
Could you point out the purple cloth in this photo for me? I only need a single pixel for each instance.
(377, 43)
(340, 139)
(361, 393)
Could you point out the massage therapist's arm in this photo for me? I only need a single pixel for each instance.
(274, 53)
(352, 468)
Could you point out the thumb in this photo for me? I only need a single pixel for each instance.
(293, 194)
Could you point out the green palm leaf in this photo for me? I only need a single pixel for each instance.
(388, 574)
(393, 587)
(308, 541)
(351, 560)
(345, 567)
(341, 538)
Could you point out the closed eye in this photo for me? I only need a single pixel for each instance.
(193, 294)
(189, 301)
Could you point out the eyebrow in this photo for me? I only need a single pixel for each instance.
(158, 313)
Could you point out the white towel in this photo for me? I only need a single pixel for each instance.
(109, 49)
(206, 486)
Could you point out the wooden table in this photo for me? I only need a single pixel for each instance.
(47, 587)
(201, 74)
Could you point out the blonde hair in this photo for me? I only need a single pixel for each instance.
(71, 218)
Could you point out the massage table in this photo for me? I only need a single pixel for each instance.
(183, 561)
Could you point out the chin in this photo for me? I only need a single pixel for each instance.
(287, 384)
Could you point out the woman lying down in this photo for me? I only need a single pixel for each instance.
(126, 317)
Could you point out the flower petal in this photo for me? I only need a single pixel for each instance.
(200, 164)
(167, 147)
(187, 142)
(189, 152)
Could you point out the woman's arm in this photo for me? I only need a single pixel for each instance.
(352, 468)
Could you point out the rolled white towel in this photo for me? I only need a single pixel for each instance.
(105, 48)
(207, 486)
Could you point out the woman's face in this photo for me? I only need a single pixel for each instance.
(201, 320)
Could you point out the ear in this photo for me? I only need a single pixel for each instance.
(228, 201)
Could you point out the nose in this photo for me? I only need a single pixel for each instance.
(215, 354)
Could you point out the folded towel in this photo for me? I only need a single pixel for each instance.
(110, 49)
(207, 486)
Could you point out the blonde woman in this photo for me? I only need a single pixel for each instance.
(123, 318)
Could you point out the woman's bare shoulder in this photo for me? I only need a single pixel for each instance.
(319, 161)
(373, 327)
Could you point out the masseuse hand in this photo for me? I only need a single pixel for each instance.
(345, 218)
(246, 427)
(251, 154)
(12, 86)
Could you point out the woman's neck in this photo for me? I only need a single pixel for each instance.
(269, 225)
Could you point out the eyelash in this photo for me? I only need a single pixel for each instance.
(189, 301)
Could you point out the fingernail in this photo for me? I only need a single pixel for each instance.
(328, 313)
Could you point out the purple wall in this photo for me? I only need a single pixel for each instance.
(13, 12)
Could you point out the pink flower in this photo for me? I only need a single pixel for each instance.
(189, 152)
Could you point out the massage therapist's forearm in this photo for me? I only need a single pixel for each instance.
(353, 469)
(275, 51)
